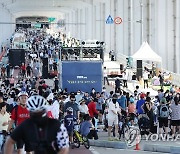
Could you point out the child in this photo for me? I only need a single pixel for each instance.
(69, 123)
(87, 129)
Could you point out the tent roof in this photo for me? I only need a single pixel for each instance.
(146, 53)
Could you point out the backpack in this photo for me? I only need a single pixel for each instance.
(145, 108)
(164, 111)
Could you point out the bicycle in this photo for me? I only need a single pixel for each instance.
(79, 139)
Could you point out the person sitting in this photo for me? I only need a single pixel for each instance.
(87, 129)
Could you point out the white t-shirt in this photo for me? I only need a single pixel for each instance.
(54, 108)
(145, 75)
(4, 118)
(114, 107)
(83, 108)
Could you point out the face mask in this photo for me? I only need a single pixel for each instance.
(114, 101)
(104, 90)
(93, 91)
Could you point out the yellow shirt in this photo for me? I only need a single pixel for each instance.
(4, 118)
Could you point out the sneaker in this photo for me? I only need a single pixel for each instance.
(110, 139)
(116, 139)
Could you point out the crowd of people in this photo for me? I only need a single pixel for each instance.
(39, 113)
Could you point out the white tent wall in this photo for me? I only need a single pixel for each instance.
(145, 53)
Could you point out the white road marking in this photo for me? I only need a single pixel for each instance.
(93, 151)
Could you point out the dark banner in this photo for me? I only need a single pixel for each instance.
(82, 76)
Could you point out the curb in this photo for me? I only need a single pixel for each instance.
(108, 144)
(157, 148)
(175, 150)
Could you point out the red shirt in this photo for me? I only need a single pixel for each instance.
(23, 67)
(92, 109)
(22, 114)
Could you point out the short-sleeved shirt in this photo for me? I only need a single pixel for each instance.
(69, 122)
(22, 114)
(4, 118)
(132, 108)
(99, 104)
(74, 106)
(139, 106)
(85, 128)
(31, 135)
(175, 115)
(114, 107)
(122, 101)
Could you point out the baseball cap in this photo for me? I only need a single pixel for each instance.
(142, 95)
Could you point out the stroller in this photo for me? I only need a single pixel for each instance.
(144, 124)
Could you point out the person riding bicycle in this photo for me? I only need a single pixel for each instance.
(40, 134)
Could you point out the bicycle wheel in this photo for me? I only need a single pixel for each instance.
(126, 132)
(86, 142)
(76, 141)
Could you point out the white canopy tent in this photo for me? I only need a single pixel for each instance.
(146, 53)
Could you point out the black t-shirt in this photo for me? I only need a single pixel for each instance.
(39, 139)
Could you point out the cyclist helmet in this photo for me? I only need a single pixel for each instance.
(22, 93)
(69, 110)
(36, 103)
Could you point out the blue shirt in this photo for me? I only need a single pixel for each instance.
(139, 106)
(122, 101)
(85, 128)
(69, 122)
(99, 104)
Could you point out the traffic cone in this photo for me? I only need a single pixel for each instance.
(137, 144)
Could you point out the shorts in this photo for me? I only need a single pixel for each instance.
(175, 122)
(113, 120)
(163, 122)
(100, 111)
(70, 133)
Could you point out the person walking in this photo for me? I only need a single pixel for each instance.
(145, 78)
(113, 112)
(106, 76)
(175, 115)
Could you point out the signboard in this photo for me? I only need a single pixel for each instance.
(82, 75)
(109, 20)
(37, 25)
(51, 19)
(118, 20)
